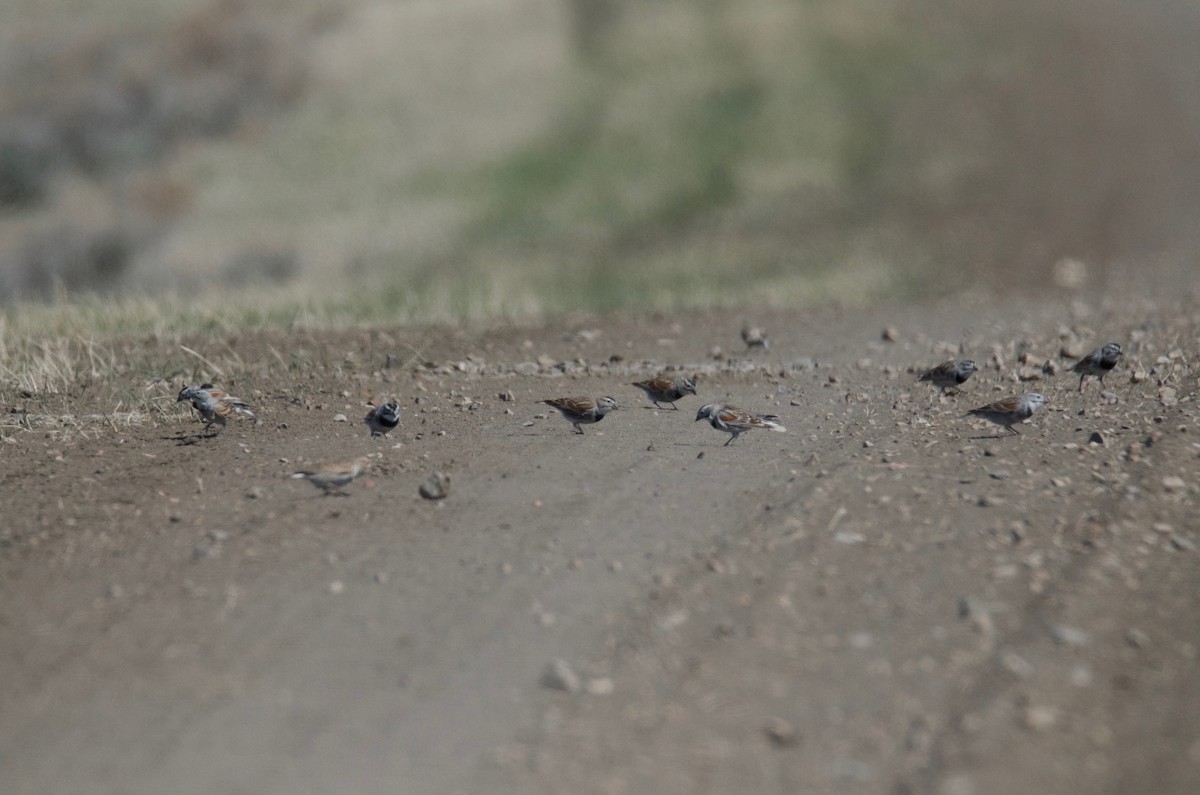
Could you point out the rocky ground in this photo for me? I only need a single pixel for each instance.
(888, 598)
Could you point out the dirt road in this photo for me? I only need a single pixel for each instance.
(877, 601)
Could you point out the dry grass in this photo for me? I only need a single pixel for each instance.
(76, 366)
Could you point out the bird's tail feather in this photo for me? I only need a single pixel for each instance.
(770, 422)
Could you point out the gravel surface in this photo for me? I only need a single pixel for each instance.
(888, 598)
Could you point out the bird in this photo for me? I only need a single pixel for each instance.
(1010, 411)
(735, 421)
(331, 477)
(663, 388)
(949, 375)
(1098, 363)
(755, 337)
(382, 419)
(582, 410)
(214, 405)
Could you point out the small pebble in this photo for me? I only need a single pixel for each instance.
(204, 551)
(781, 733)
(1069, 636)
(336, 587)
(1029, 374)
(861, 640)
(1082, 676)
(1183, 543)
(339, 418)
(559, 675)
(976, 610)
(1016, 665)
(1039, 717)
(957, 784)
(1136, 638)
(599, 686)
(436, 486)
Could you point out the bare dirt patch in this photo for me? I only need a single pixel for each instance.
(878, 600)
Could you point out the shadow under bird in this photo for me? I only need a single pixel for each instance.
(1010, 411)
(331, 477)
(215, 406)
(664, 389)
(582, 410)
(382, 419)
(735, 421)
(949, 375)
(1098, 363)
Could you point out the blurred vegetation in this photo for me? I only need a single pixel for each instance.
(759, 152)
(91, 114)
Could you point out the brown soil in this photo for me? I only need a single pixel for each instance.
(877, 601)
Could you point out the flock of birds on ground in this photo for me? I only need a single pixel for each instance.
(216, 406)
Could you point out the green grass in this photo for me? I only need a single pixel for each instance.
(707, 157)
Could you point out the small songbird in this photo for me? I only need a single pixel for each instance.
(382, 419)
(215, 406)
(949, 375)
(755, 337)
(663, 388)
(1098, 363)
(582, 410)
(1010, 411)
(735, 421)
(331, 477)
